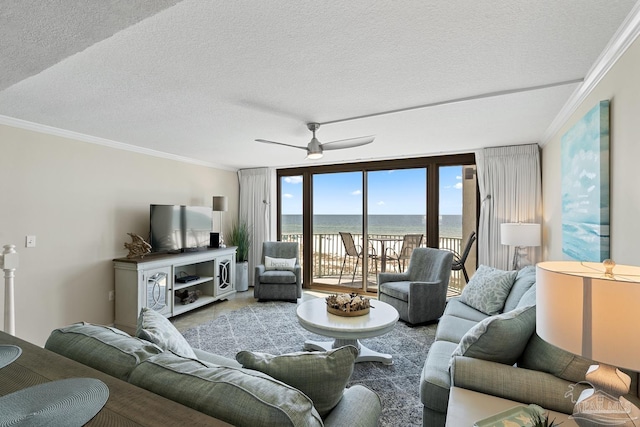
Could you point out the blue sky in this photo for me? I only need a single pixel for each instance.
(401, 191)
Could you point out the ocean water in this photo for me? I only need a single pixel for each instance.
(450, 225)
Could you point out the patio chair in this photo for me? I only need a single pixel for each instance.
(352, 250)
(459, 260)
(280, 277)
(420, 293)
(409, 243)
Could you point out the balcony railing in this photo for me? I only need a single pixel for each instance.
(329, 254)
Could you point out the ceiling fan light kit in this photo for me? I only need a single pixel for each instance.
(315, 148)
(315, 156)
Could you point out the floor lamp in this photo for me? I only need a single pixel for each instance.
(520, 235)
(9, 263)
(220, 205)
(591, 310)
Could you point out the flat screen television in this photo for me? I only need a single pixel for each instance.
(179, 228)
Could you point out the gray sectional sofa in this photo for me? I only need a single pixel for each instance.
(499, 353)
(224, 388)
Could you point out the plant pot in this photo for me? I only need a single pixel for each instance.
(242, 276)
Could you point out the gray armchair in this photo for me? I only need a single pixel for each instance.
(420, 293)
(283, 283)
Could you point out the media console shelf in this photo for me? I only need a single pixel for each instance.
(151, 282)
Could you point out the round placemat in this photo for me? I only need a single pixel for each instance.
(8, 353)
(71, 402)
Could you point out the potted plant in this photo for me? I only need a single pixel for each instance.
(240, 236)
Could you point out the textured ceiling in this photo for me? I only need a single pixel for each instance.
(204, 79)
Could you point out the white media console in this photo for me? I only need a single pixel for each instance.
(151, 282)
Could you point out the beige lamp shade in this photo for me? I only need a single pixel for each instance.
(219, 204)
(585, 311)
(520, 234)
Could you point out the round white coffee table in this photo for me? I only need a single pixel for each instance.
(314, 317)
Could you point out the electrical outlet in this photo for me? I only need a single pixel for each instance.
(112, 295)
(30, 242)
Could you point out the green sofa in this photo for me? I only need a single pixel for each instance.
(500, 355)
(222, 387)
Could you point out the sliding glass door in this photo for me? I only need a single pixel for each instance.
(396, 217)
(457, 216)
(354, 221)
(291, 212)
(338, 257)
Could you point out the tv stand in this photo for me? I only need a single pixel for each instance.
(150, 282)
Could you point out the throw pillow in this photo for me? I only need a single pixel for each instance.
(525, 278)
(320, 375)
(539, 355)
(488, 289)
(279, 263)
(154, 327)
(529, 297)
(501, 338)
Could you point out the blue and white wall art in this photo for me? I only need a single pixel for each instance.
(585, 187)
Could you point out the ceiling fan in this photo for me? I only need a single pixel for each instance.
(315, 148)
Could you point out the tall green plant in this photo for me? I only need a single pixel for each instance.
(240, 236)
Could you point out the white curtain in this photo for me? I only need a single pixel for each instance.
(257, 207)
(510, 184)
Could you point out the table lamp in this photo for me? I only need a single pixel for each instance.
(591, 309)
(520, 235)
(220, 205)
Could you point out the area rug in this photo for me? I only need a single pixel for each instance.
(272, 327)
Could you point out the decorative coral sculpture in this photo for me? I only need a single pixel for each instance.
(138, 247)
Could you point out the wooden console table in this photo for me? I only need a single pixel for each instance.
(128, 405)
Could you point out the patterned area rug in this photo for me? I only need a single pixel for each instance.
(272, 327)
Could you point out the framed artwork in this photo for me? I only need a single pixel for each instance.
(585, 187)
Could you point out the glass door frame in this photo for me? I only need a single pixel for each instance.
(431, 164)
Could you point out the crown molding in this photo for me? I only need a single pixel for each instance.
(50, 130)
(618, 45)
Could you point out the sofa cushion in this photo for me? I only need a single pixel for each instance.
(501, 338)
(278, 277)
(106, 349)
(216, 359)
(154, 327)
(453, 328)
(488, 289)
(242, 397)
(524, 280)
(320, 375)
(455, 307)
(398, 290)
(435, 380)
(539, 355)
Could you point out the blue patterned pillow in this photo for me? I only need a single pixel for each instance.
(488, 289)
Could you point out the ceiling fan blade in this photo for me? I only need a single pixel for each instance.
(280, 143)
(348, 143)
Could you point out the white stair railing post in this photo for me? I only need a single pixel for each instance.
(9, 263)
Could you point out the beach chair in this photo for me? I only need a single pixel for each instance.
(351, 250)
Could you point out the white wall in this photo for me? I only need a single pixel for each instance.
(621, 85)
(80, 200)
